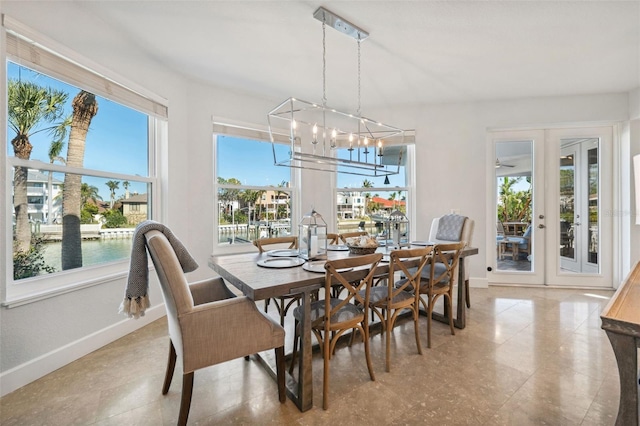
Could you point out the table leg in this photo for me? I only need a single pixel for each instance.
(304, 399)
(299, 391)
(625, 348)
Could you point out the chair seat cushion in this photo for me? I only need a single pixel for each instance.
(426, 272)
(380, 293)
(346, 313)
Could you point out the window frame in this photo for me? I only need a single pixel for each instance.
(409, 188)
(20, 292)
(248, 132)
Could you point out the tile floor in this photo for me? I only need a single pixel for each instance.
(527, 356)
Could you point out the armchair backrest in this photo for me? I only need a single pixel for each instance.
(466, 235)
(173, 283)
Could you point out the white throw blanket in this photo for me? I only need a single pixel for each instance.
(136, 298)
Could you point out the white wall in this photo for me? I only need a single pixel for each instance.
(634, 114)
(39, 337)
(450, 143)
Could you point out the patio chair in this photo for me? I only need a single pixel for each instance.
(205, 321)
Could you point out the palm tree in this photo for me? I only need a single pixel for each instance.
(126, 185)
(29, 105)
(392, 198)
(89, 192)
(85, 107)
(54, 155)
(112, 185)
(367, 195)
(283, 184)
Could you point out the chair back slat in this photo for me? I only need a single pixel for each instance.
(262, 243)
(363, 265)
(412, 274)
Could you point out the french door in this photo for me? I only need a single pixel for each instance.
(550, 189)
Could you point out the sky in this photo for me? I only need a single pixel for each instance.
(252, 164)
(116, 142)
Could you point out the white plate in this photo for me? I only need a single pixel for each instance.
(281, 262)
(337, 247)
(283, 253)
(422, 243)
(318, 266)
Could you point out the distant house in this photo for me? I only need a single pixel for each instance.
(41, 197)
(387, 206)
(134, 208)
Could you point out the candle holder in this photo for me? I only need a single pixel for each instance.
(312, 235)
(397, 230)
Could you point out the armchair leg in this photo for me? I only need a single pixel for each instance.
(466, 293)
(171, 365)
(185, 402)
(280, 367)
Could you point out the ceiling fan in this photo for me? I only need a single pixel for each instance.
(499, 164)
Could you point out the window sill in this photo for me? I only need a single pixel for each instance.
(40, 288)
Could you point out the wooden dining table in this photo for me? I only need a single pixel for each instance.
(260, 283)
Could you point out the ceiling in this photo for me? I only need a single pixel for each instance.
(418, 52)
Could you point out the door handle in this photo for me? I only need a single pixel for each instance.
(541, 226)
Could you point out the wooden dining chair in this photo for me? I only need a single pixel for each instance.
(438, 279)
(333, 238)
(332, 317)
(283, 303)
(207, 323)
(344, 236)
(387, 301)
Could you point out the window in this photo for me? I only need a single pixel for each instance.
(73, 172)
(254, 198)
(369, 199)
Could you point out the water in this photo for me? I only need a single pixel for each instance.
(94, 252)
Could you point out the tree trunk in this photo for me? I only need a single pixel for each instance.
(22, 149)
(85, 108)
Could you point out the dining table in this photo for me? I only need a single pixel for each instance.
(261, 282)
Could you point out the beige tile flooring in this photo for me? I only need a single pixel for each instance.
(527, 356)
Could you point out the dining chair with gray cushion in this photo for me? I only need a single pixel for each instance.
(283, 303)
(207, 323)
(332, 317)
(438, 279)
(453, 228)
(388, 301)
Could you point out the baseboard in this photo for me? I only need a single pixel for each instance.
(32, 370)
(478, 282)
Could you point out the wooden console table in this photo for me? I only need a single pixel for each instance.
(621, 321)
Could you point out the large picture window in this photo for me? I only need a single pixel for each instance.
(254, 198)
(80, 156)
(364, 202)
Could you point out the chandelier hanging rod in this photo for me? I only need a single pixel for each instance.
(340, 24)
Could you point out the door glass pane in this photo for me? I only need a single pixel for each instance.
(593, 182)
(567, 203)
(514, 184)
(579, 205)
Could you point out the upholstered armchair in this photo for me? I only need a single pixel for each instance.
(208, 324)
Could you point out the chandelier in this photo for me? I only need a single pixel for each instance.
(316, 131)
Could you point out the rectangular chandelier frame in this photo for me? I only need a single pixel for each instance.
(365, 139)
